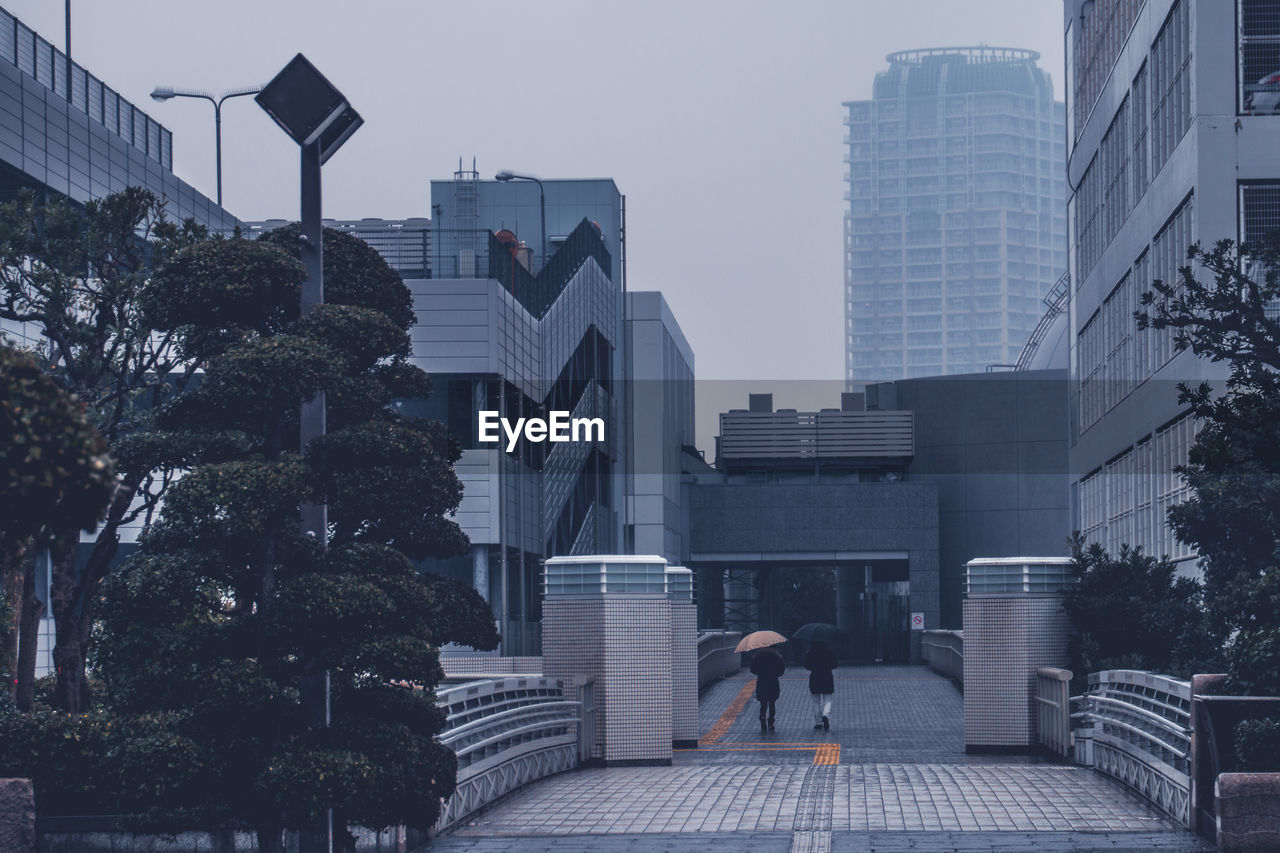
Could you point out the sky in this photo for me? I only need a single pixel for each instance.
(720, 121)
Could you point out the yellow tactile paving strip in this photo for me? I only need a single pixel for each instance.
(824, 753)
(730, 714)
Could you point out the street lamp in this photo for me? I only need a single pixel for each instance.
(320, 120)
(507, 175)
(164, 93)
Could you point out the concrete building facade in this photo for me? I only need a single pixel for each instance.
(955, 228)
(660, 408)
(895, 491)
(84, 145)
(79, 142)
(500, 330)
(1171, 139)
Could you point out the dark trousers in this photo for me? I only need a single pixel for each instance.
(770, 706)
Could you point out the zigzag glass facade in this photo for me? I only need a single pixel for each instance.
(956, 225)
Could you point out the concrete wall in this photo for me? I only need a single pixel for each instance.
(660, 400)
(803, 521)
(996, 446)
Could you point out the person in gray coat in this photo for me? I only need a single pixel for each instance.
(821, 661)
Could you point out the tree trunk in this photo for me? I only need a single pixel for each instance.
(28, 635)
(270, 837)
(74, 596)
(68, 657)
(11, 575)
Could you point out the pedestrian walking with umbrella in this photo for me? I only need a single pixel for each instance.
(821, 661)
(767, 665)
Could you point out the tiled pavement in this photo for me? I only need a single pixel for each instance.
(891, 775)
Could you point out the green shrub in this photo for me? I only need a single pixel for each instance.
(64, 756)
(97, 763)
(1258, 746)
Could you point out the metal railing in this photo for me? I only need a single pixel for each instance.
(477, 253)
(507, 732)
(565, 461)
(35, 57)
(1056, 303)
(1136, 727)
(1053, 710)
(716, 656)
(943, 651)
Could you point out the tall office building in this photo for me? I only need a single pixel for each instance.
(503, 327)
(956, 225)
(1172, 138)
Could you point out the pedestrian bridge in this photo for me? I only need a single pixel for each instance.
(890, 775)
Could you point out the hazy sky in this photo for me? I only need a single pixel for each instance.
(720, 121)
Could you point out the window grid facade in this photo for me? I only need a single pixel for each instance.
(1170, 85)
(1088, 208)
(1127, 501)
(1169, 254)
(1119, 329)
(1113, 357)
(1091, 350)
(1260, 223)
(1138, 112)
(1115, 159)
(1115, 179)
(1103, 32)
(1258, 57)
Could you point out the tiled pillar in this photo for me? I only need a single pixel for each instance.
(637, 677)
(609, 618)
(684, 658)
(1006, 638)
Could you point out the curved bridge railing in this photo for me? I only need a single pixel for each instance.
(506, 733)
(1136, 727)
(943, 651)
(716, 656)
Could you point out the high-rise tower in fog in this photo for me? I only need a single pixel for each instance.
(956, 227)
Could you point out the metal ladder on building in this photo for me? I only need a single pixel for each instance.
(1056, 300)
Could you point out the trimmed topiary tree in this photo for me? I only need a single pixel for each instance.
(227, 612)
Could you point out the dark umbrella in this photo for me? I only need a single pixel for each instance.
(818, 632)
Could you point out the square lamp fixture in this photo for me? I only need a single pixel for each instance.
(308, 107)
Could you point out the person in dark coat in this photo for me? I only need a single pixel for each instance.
(821, 661)
(768, 666)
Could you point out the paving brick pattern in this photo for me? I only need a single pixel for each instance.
(771, 798)
(903, 782)
(880, 714)
(840, 842)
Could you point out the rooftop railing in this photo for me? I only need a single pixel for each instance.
(23, 48)
(476, 253)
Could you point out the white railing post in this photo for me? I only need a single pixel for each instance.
(1053, 704)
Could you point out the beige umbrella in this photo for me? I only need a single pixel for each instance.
(759, 640)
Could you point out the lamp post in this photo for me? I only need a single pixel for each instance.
(320, 120)
(507, 175)
(164, 93)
